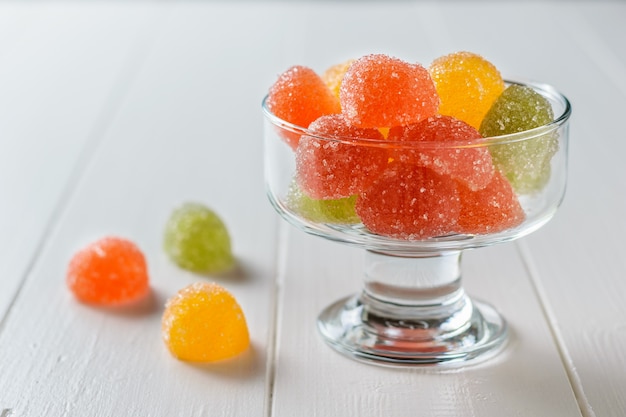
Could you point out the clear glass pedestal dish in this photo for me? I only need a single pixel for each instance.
(412, 309)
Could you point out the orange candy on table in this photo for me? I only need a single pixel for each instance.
(490, 210)
(382, 91)
(467, 85)
(204, 323)
(328, 169)
(410, 202)
(470, 165)
(300, 96)
(110, 271)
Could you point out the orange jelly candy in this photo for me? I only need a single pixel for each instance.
(382, 91)
(204, 323)
(333, 76)
(300, 96)
(467, 85)
(109, 271)
(490, 210)
(330, 169)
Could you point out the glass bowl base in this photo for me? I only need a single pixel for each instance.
(350, 328)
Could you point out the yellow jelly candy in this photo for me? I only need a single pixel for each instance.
(204, 323)
(467, 85)
(334, 75)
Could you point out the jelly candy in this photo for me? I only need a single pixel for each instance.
(490, 210)
(334, 75)
(410, 202)
(464, 162)
(338, 167)
(335, 211)
(110, 271)
(204, 323)
(300, 96)
(467, 85)
(526, 163)
(196, 239)
(382, 91)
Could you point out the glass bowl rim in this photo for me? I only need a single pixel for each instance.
(542, 88)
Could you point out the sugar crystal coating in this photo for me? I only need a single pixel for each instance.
(196, 239)
(491, 209)
(339, 165)
(333, 76)
(382, 91)
(299, 96)
(410, 202)
(526, 163)
(333, 211)
(467, 85)
(204, 323)
(110, 271)
(456, 156)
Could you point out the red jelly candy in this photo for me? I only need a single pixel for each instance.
(381, 91)
(490, 210)
(410, 202)
(300, 96)
(455, 157)
(330, 169)
(109, 271)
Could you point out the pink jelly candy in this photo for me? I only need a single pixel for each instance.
(340, 167)
(382, 91)
(410, 202)
(490, 210)
(300, 96)
(455, 157)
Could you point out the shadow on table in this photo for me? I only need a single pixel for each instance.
(246, 365)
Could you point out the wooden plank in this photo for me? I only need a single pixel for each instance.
(189, 130)
(62, 74)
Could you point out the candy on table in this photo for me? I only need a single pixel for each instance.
(299, 96)
(334, 75)
(109, 271)
(490, 210)
(467, 85)
(338, 168)
(526, 163)
(204, 323)
(334, 211)
(410, 202)
(196, 239)
(469, 165)
(382, 91)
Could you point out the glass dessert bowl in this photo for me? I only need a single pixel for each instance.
(414, 213)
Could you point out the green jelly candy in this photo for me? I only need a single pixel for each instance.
(526, 163)
(196, 239)
(334, 211)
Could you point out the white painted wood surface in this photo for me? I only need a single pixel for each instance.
(113, 114)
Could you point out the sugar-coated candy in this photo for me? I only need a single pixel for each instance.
(490, 210)
(467, 85)
(333, 76)
(196, 239)
(456, 156)
(381, 91)
(300, 96)
(334, 211)
(339, 165)
(204, 323)
(109, 271)
(410, 202)
(526, 163)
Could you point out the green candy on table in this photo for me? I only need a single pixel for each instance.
(526, 164)
(196, 239)
(334, 211)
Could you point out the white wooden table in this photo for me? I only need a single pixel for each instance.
(113, 114)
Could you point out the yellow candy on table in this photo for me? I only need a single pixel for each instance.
(204, 323)
(467, 85)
